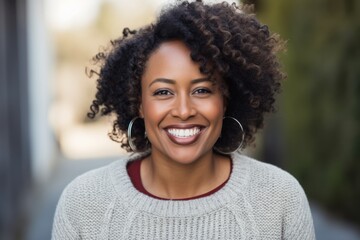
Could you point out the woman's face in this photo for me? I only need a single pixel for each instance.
(181, 107)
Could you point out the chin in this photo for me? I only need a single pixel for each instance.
(187, 156)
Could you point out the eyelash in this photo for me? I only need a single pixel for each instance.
(203, 91)
(165, 92)
(162, 92)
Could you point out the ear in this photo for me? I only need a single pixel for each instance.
(141, 113)
(225, 104)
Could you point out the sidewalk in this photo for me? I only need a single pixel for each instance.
(40, 224)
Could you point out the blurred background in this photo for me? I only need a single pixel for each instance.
(46, 139)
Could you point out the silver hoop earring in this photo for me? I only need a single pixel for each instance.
(130, 139)
(225, 145)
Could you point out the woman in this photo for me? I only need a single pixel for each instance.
(188, 93)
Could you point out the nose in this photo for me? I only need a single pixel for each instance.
(183, 107)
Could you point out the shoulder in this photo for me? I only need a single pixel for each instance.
(267, 177)
(98, 183)
(275, 184)
(89, 193)
(87, 203)
(276, 194)
(90, 183)
(268, 185)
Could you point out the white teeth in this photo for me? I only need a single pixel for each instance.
(184, 133)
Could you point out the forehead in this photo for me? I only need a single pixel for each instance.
(172, 60)
(175, 47)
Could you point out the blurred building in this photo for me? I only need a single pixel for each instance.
(26, 144)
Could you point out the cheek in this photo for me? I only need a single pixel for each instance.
(153, 113)
(153, 109)
(213, 109)
(146, 106)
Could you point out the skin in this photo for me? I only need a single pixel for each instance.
(176, 95)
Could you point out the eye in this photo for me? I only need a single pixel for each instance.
(162, 92)
(202, 91)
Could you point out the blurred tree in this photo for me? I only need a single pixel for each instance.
(320, 103)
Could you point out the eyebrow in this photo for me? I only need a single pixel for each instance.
(171, 81)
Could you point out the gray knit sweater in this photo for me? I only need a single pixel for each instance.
(259, 201)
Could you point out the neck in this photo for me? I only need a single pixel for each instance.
(172, 180)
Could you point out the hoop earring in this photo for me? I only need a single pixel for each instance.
(130, 139)
(223, 146)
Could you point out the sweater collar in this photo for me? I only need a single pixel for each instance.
(136, 200)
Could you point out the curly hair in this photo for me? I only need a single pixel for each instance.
(222, 38)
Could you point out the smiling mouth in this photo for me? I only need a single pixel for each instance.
(184, 133)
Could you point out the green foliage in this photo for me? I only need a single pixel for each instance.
(321, 97)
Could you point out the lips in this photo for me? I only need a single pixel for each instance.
(184, 135)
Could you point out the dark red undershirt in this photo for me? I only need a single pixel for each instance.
(133, 169)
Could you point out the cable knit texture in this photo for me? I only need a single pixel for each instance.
(259, 201)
